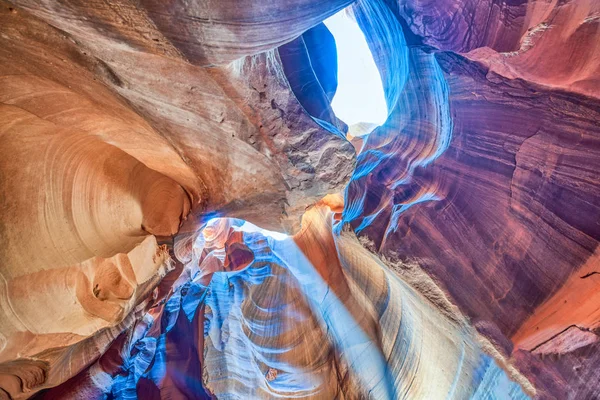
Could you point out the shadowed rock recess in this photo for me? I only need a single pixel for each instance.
(183, 215)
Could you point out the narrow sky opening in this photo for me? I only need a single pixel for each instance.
(359, 96)
(248, 227)
(212, 225)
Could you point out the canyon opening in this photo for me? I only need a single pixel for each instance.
(300, 199)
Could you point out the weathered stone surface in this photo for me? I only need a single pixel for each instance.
(112, 140)
(507, 177)
(505, 218)
(126, 126)
(554, 43)
(313, 316)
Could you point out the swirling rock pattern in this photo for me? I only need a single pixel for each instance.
(515, 38)
(509, 210)
(295, 321)
(128, 144)
(461, 262)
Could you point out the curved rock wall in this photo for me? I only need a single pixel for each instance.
(507, 220)
(114, 142)
(465, 246)
(313, 316)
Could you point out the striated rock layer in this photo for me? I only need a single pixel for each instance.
(504, 215)
(462, 261)
(313, 316)
(113, 142)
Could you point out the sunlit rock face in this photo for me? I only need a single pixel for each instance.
(129, 142)
(309, 316)
(509, 205)
(449, 253)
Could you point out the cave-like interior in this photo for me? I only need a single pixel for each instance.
(300, 199)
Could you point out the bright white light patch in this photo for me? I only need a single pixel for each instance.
(248, 227)
(359, 96)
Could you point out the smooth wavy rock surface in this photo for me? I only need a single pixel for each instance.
(283, 318)
(553, 43)
(503, 214)
(121, 141)
(450, 253)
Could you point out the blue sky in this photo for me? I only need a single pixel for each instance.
(359, 96)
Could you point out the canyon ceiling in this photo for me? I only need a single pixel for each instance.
(450, 253)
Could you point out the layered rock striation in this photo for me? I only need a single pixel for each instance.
(449, 253)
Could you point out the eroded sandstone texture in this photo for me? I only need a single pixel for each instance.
(450, 253)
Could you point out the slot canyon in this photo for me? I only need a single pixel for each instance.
(214, 199)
